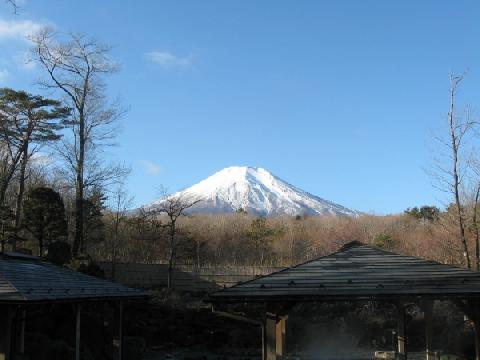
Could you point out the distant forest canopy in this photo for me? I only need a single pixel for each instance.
(60, 197)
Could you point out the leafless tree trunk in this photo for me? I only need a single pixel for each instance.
(76, 68)
(21, 190)
(121, 203)
(173, 207)
(475, 227)
(457, 131)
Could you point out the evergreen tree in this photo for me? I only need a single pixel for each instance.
(260, 235)
(425, 213)
(44, 216)
(26, 121)
(94, 227)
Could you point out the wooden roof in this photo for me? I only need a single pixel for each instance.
(25, 279)
(356, 272)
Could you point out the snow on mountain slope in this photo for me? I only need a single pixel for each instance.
(256, 191)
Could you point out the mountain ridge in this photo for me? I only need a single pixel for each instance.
(257, 191)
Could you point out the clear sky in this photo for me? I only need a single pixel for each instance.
(339, 98)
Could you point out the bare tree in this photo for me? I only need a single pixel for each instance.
(14, 5)
(121, 201)
(173, 207)
(451, 175)
(77, 68)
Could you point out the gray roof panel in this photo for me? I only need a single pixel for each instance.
(30, 280)
(357, 271)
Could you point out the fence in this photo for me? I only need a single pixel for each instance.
(185, 277)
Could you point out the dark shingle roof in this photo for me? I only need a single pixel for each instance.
(358, 272)
(25, 279)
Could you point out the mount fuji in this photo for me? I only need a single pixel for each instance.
(256, 191)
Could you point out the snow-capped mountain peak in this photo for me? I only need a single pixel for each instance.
(256, 191)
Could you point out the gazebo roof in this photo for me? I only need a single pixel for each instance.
(26, 279)
(357, 272)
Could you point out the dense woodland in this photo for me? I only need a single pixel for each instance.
(61, 197)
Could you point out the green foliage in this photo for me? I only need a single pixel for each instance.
(260, 235)
(384, 241)
(59, 252)
(259, 230)
(44, 216)
(426, 213)
(94, 227)
(33, 115)
(7, 217)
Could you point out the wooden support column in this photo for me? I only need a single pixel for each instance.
(270, 337)
(274, 336)
(428, 315)
(6, 319)
(118, 331)
(264, 354)
(402, 332)
(471, 308)
(473, 312)
(280, 339)
(77, 331)
(20, 331)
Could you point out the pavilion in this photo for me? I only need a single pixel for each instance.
(358, 272)
(26, 281)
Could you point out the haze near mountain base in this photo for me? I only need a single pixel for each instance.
(256, 191)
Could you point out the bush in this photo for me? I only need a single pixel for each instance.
(59, 253)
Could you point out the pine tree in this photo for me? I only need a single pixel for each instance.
(26, 122)
(44, 216)
(260, 235)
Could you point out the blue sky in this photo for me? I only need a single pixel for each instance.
(340, 98)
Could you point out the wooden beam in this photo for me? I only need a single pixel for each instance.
(402, 332)
(77, 331)
(118, 331)
(428, 316)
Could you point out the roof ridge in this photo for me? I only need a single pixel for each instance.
(344, 248)
(340, 250)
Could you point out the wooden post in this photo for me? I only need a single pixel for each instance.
(280, 339)
(471, 308)
(477, 340)
(274, 336)
(401, 333)
(6, 318)
(20, 331)
(77, 331)
(270, 337)
(428, 315)
(118, 331)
